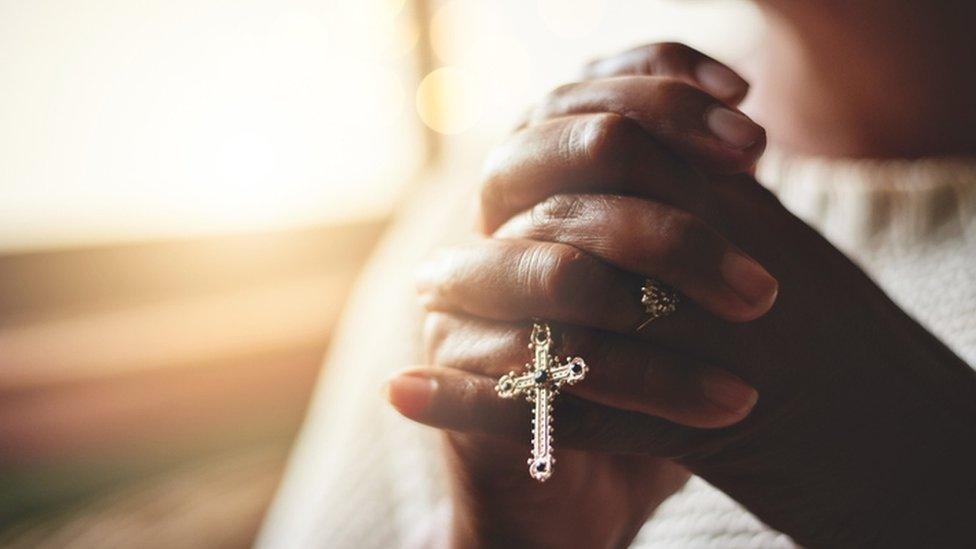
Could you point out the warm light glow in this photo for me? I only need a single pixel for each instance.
(449, 100)
(126, 120)
(471, 35)
(725, 28)
(397, 37)
(516, 50)
(394, 7)
(572, 18)
(123, 120)
(458, 29)
(510, 81)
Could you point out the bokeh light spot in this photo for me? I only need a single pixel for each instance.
(458, 27)
(449, 100)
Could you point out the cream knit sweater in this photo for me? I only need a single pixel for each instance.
(360, 476)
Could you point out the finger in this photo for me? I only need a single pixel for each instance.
(677, 61)
(602, 153)
(674, 60)
(458, 401)
(519, 280)
(515, 280)
(433, 396)
(655, 240)
(623, 373)
(700, 129)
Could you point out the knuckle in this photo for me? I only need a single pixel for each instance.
(679, 233)
(676, 91)
(560, 207)
(607, 141)
(684, 101)
(667, 57)
(562, 271)
(565, 273)
(553, 101)
(467, 392)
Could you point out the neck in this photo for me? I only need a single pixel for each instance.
(869, 78)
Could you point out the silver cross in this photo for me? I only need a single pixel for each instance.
(540, 385)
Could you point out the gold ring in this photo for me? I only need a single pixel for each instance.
(659, 300)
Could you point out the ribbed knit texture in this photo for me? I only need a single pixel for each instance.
(363, 477)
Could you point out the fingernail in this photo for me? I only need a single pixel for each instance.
(410, 393)
(748, 279)
(720, 81)
(728, 392)
(733, 128)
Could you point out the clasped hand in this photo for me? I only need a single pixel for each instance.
(786, 378)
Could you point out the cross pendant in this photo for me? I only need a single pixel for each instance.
(540, 384)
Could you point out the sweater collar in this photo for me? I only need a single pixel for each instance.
(861, 204)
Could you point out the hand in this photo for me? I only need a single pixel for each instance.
(865, 431)
(594, 499)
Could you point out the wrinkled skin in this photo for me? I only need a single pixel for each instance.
(863, 433)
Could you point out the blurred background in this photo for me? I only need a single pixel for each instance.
(187, 191)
